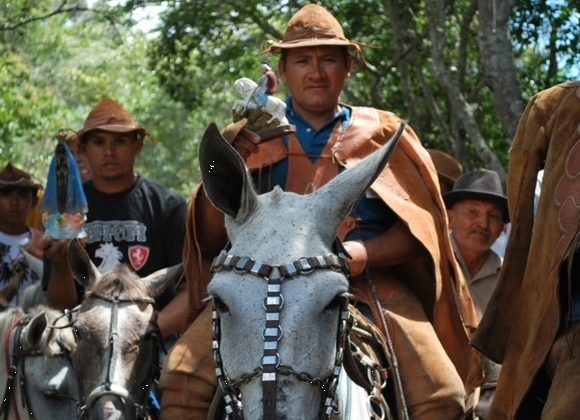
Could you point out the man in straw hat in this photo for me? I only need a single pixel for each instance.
(139, 222)
(532, 322)
(17, 198)
(399, 226)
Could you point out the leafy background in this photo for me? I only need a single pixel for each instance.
(173, 64)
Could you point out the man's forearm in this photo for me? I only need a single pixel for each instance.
(394, 247)
(62, 292)
(171, 319)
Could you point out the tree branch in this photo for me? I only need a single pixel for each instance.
(59, 10)
(464, 37)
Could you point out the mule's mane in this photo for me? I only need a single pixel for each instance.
(7, 317)
(120, 282)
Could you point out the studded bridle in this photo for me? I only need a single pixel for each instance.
(271, 364)
(108, 387)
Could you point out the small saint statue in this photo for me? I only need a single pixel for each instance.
(267, 84)
(266, 114)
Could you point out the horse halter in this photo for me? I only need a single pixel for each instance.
(271, 363)
(108, 387)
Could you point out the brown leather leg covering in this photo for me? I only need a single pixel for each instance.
(188, 379)
(433, 389)
(563, 365)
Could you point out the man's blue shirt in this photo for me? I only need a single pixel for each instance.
(376, 217)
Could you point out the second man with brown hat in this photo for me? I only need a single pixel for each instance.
(136, 220)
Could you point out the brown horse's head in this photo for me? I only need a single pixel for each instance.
(118, 339)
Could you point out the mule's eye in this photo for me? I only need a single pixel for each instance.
(49, 392)
(220, 306)
(77, 333)
(335, 303)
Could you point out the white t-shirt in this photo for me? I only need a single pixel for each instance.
(11, 260)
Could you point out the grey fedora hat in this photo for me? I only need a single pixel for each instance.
(482, 184)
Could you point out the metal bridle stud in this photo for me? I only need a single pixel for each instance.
(270, 362)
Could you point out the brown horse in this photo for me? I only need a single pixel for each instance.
(118, 339)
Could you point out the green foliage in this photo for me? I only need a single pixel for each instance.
(61, 67)
(58, 58)
(23, 97)
(547, 40)
(207, 45)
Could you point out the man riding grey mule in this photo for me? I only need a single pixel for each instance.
(404, 274)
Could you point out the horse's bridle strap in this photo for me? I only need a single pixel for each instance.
(109, 387)
(270, 362)
(11, 364)
(301, 266)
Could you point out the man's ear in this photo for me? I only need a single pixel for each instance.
(349, 66)
(282, 70)
(450, 217)
(34, 200)
(139, 145)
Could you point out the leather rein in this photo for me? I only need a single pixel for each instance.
(108, 387)
(271, 364)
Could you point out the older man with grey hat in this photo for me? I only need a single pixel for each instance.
(477, 210)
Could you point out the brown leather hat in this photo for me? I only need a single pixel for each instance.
(12, 177)
(109, 115)
(483, 184)
(447, 167)
(311, 26)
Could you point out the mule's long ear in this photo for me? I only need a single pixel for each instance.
(225, 178)
(83, 269)
(339, 196)
(160, 280)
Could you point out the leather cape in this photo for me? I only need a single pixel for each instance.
(525, 312)
(409, 186)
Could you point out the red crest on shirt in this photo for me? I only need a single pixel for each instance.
(138, 256)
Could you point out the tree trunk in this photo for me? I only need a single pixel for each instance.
(401, 41)
(459, 105)
(499, 66)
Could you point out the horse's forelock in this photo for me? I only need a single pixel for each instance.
(121, 282)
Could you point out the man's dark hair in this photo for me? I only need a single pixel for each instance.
(134, 134)
(346, 53)
(22, 191)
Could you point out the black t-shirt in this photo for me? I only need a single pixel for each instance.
(143, 227)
